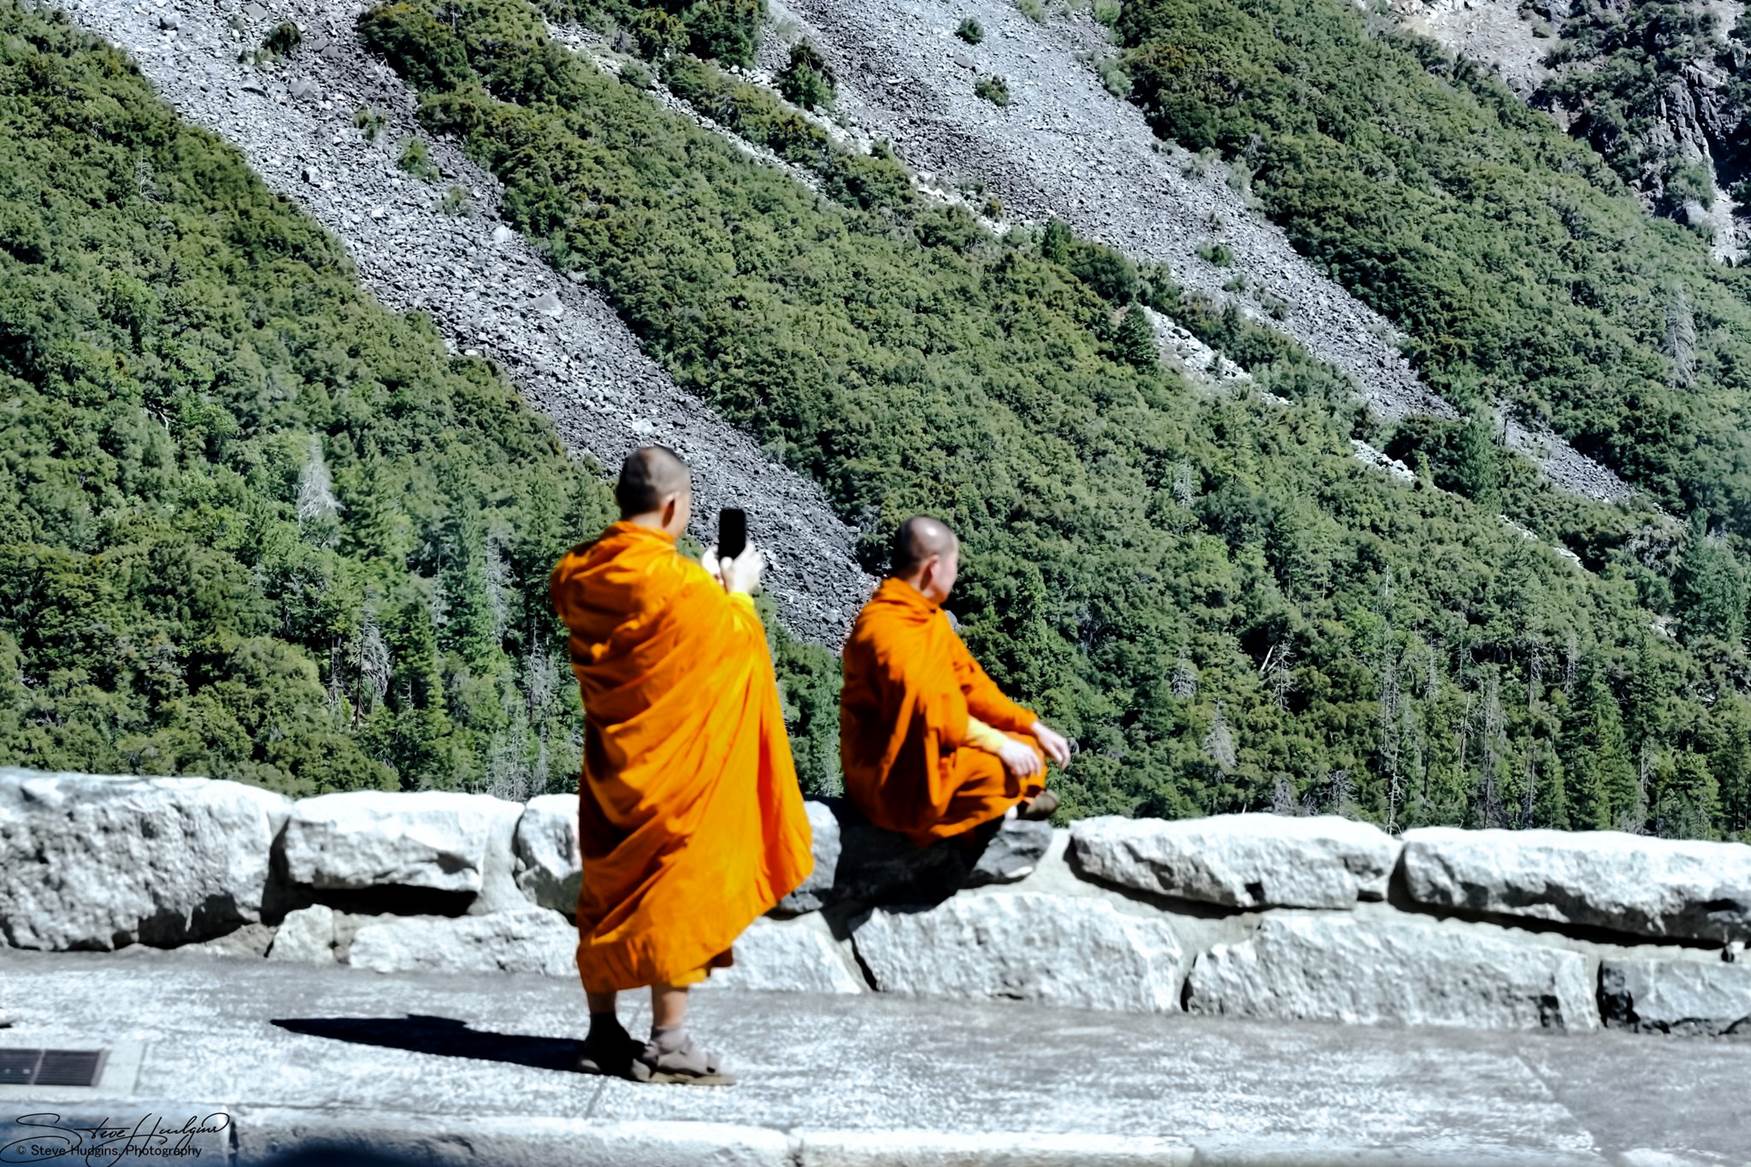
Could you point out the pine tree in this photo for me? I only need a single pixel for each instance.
(1709, 586)
(1688, 801)
(1595, 755)
(1477, 466)
(1730, 762)
(1134, 340)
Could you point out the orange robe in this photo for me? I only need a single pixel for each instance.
(690, 818)
(910, 688)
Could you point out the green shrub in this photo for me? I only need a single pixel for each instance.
(659, 35)
(970, 30)
(417, 160)
(993, 89)
(1216, 254)
(806, 79)
(369, 122)
(283, 39)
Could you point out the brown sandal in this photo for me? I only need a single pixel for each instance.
(690, 1065)
(613, 1056)
(1041, 806)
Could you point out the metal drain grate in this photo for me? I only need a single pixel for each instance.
(50, 1067)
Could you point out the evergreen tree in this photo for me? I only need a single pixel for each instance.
(1595, 757)
(1134, 339)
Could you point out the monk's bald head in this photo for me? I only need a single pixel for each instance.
(919, 539)
(649, 478)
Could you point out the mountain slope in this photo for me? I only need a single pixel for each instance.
(1066, 147)
(296, 121)
(252, 525)
(1209, 591)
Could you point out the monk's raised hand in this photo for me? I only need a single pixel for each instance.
(1054, 743)
(1020, 761)
(742, 574)
(712, 564)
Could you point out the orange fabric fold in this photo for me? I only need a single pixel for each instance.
(910, 686)
(690, 819)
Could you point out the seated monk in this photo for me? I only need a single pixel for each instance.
(930, 747)
(690, 819)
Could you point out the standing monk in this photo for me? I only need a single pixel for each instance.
(690, 819)
(930, 746)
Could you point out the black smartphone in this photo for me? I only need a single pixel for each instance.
(732, 532)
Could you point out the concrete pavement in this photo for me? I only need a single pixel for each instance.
(474, 1069)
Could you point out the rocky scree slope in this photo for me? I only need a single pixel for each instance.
(1064, 147)
(489, 293)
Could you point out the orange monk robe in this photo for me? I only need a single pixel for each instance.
(911, 690)
(690, 819)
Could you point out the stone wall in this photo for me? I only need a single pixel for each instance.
(1254, 915)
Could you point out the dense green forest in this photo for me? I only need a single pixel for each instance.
(1520, 264)
(251, 524)
(1209, 592)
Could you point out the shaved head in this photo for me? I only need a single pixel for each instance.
(648, 477)
(919, 538)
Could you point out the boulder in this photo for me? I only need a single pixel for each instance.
(1707, 998)
(1346, 968)
(88, 861)
(549, 867)
(306, 935)
(816, 891)
(855, 861)
(1658, 888)
(792, 955)
(1013, 853)
(1239, 860)
(371, 838)
(532, 940)
(1059, 950)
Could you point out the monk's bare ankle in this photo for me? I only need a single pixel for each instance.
(605, 1025)
(668, 1038)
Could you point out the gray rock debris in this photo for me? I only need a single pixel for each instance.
(549, 867)
(306, 936)
(799, 956)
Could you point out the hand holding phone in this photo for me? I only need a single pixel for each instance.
(732, 532)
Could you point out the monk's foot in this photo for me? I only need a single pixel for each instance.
(683, 1062)
(1040, 806)
(610, 1051)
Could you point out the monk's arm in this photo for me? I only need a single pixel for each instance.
(985, 701)
(983, 737)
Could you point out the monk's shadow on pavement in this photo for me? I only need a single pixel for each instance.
(445, 1036)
